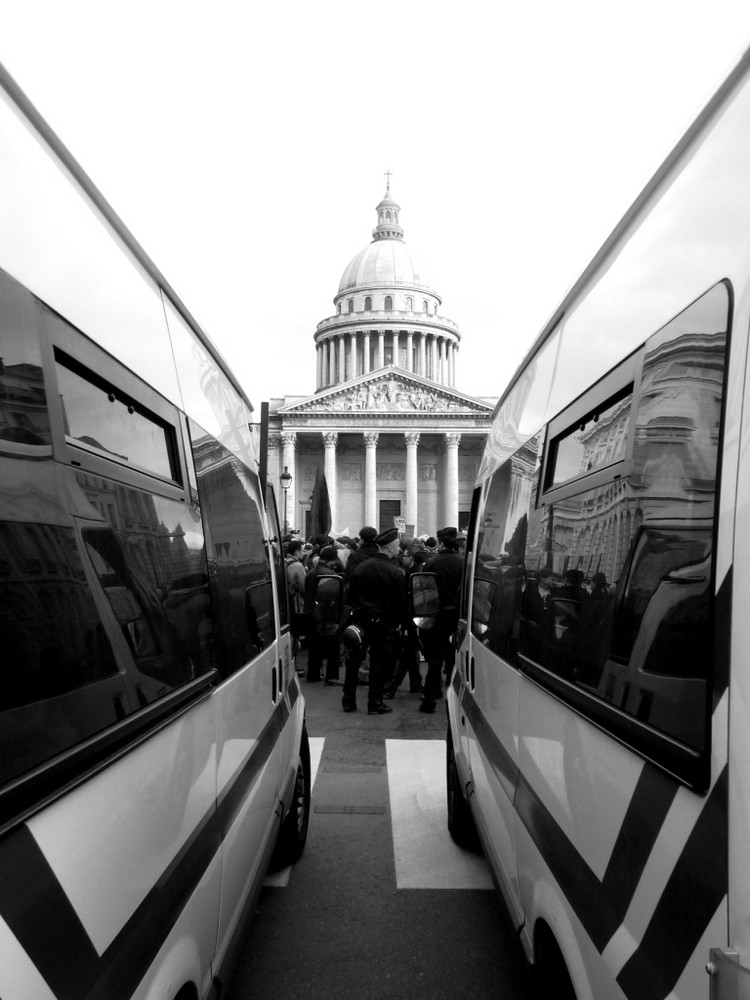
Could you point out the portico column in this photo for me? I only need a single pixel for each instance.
(381, 348)
(275, 468)
(289, 459)
(366, 358)
(371, 479)
(330, 440)
(412, 440)
(450, 491)
(410, 352)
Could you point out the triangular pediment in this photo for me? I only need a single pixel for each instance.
(389, 390)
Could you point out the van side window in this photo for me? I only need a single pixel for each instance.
(240, 568)
(613, 591)
(501, 550)
(597, 440)
(157, 589)
(60, 681)
(24, 419)
(99, 417)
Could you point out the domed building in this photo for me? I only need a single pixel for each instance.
(398, 443)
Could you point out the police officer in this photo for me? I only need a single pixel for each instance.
(377, 596)
(440, 654)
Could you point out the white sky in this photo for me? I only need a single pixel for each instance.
(245, 145)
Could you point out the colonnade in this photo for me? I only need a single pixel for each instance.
(449, 485)
(343, 356)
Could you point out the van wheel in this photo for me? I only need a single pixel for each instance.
(293, 833)
(461, 824)
(549, 975)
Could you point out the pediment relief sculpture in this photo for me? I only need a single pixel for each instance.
(392, 395)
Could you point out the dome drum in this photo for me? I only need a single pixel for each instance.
(345, 356)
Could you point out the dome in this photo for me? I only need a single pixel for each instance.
(385, 263)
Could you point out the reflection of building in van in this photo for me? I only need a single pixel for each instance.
(594, 578)
(661, 632)
(23, 404)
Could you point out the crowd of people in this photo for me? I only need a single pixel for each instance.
(377, 641)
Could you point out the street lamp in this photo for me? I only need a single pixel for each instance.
(286, 482)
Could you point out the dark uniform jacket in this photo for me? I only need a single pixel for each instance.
(448, 567)
(378, 585)
(366, 551)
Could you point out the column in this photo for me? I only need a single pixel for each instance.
(450, 492)
(371, 479)
(287, 503)
(342, 358)
(381, 348)
(318, 366)
(422, 365)
(410, 351)
(330, 440)
(412, 440)
(434, 356)
(441, 361)
(352, 352)
(331, 361)
(366, 357)
(275, 468)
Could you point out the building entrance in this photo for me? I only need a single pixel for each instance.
(388, 510)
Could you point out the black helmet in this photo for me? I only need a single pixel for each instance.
(352, 638)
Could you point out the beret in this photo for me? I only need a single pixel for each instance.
(387, 536)
(447, 533)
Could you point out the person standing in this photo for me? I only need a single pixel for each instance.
(322, 647)
(377, 596)
(440, 653)
(366, 550)
(295, 576)
(412, 561)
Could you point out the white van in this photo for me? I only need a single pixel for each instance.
(153, 752)
(598, 724)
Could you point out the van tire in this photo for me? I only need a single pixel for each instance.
(549, 974)
(461, 824)
(293, 832)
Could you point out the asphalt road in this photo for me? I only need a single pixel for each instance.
(358, 917)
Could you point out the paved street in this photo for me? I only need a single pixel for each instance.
(382, 905)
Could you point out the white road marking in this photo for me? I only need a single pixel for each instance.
(280, 879)
(316, 752)
(425, 855)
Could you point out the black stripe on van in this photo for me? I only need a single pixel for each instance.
(39, 914)
(694, 890)
(601, 904)
(690, 899)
